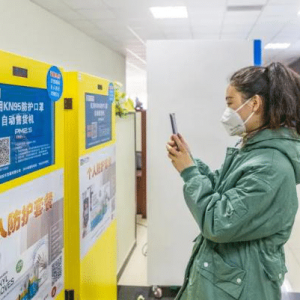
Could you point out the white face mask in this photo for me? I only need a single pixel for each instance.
(233, 122)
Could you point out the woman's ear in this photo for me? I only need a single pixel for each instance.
(257, 103)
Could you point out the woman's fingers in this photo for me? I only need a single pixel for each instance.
(171, 143)
(183, 141)
(179, 143)
(171, 150)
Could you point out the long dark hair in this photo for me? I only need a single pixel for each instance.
(279, 88)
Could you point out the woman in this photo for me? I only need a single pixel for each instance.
(246, 209)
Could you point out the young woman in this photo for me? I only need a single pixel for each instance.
(246, 209)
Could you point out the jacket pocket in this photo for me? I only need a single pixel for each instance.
(230, 279)
(273, 265)
(231, 211)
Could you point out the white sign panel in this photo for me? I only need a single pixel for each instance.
(97, 195)
(31, 239)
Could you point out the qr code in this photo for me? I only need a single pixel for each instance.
(4, 151)
(56, 270)
(94, 130)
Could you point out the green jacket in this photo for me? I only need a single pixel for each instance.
(245, 212)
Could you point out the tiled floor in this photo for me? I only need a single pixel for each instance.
(126, 292)
(134, 276)
(135, 273)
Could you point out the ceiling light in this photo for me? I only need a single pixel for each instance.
(277, 46)
(169, 12)
(240, 8)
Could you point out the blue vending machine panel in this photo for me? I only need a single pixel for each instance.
(26, 131)
(98, 119)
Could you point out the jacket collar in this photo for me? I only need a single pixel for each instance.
(269, 134)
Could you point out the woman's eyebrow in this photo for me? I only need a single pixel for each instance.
(228, 97)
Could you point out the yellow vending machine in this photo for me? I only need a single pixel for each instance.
(90, 184)
(31, 179)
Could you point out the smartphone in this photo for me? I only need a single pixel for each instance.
(173, 123)
(174, 126)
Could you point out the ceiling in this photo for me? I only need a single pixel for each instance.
(126, 25)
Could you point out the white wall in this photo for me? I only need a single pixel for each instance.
(28, 30)
(126, 177)
(188, 78)
(136, 84)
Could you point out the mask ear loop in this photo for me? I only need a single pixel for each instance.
(243, 104)
(251, 113)
(249, 117)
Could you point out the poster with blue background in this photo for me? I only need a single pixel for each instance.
(26, 131)
(98, 119)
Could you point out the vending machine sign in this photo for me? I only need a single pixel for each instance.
(54, 83)
(97, 189)
(26, 131)
(111, 92)
(31, 239)
(98, 119)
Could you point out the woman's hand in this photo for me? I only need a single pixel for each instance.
(183, 141)
(180, 159)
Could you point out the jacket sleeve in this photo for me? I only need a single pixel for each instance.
(205, 170)
(245, 212)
